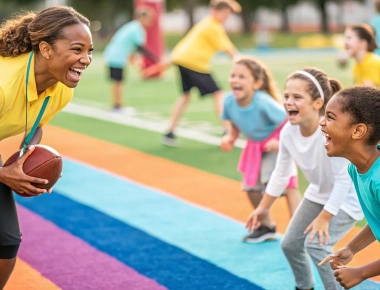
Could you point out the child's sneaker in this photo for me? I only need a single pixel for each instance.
(261, 234)
(170, 140)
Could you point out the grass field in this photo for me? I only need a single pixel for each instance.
(153, 100)
(243, 41)
(130, 213)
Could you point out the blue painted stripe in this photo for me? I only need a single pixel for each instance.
(202, 233)
(168, 265)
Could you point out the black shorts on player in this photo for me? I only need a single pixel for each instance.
(202, 81)
(116, 74)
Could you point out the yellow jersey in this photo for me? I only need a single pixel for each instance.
(13, 101)
(196, 49)
(367, 70)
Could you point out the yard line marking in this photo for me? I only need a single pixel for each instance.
(97, 113)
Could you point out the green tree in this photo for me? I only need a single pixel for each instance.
(9, 7)
(322, 7)
(188, 6)
(107, 12)
(250, 7)
(283, 6)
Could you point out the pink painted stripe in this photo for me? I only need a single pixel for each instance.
(71, 263)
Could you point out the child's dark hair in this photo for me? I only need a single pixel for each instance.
(363, 106)
(143, 11)
(259, 71)
(365, 32)
(329, 86)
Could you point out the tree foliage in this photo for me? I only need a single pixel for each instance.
(105, 11)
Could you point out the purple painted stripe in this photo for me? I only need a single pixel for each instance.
(71, 263)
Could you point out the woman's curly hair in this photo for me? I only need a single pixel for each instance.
(23, 33)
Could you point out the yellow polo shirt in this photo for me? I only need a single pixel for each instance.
(196, 49)
(12, 96)
(367, 70)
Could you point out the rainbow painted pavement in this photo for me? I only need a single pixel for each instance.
(129, 220)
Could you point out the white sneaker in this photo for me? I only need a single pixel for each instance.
(127, 111)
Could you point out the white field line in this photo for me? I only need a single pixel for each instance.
(100, 114)
(193, 108)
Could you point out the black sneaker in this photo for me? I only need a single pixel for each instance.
(304, 289)
(170, 140)
(261, 234)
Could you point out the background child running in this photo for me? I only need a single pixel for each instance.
(352, 129)
(359, 41)
(253, 108)
(126, 41)
(193, 55)
(330, 207)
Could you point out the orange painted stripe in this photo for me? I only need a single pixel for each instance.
(25, 277)
(217, 193)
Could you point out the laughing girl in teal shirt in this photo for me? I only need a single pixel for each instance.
(352, 129)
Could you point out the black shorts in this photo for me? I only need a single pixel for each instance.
(10, 236)
(116, 74)
(203, 82)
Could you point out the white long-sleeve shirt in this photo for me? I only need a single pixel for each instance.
(330, 184)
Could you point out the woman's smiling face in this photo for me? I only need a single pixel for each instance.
(71, 55)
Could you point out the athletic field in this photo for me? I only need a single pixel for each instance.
(130, 213)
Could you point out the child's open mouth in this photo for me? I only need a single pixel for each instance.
(237, 88)
(328, 138)
(292, 114)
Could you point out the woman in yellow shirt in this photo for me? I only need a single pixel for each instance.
(42, 58)
(360, 43)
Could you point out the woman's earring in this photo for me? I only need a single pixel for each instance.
(48, 57)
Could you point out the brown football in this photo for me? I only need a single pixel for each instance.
(44, 162)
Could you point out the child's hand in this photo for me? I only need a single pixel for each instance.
(319, 225)
(256, 217)
(150, 71)
(339, 258)
(348, 277)
(271, 145)
(227, 143)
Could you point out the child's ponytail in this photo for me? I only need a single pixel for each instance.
(335, 85)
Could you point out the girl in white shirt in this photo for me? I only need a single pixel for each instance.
(330, 207)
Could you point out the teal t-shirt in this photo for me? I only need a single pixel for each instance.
(123, 43)
(259, 119)
(375, 23)
(368, 189)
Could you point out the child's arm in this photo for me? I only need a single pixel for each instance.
(147, 53)
(229, 139)
(156, 68)
(260, 212)
(343, 256)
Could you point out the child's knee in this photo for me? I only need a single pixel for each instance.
(287, 245)
(317, 252)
